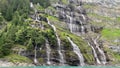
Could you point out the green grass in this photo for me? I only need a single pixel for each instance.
(88, 6)
(40, 8)
(111, 34)
(19, 46)
(99, 16)
(17, 58)
(52, 18)
(64, 1)
(115, 57)
(118, 19)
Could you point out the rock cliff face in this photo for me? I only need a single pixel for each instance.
(105, 13)
(72, 13)
(73, 32)
(91, 18)
(74, 16)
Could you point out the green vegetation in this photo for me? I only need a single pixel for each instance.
(117, 58)
(99, 16)
(9, 7)
(89, 6)
(52, 18)
(17, 58)
(111, 34)
(118, 19)
(41, 60)
(64, 1)
(18, 30)
(18, 33)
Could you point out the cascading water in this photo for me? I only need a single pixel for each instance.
(36, 16)
(62, 61)
(75, 28)
(35, 48)
(35, 55)
(82, 26)
(77, 51)
(94, 53)
(48, 51)
(103, 57)
(83, 17)
(31, 5)
(70, 23)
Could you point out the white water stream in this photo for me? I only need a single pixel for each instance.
(62, 61)
(77, 51)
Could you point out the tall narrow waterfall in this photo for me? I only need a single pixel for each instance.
(95, 54)
(71, 28)
(82, 28)
(70, 23)
(35, 54)
(83, 17)
(102, 57)
(31, 5)
(82, 25)
(77, 51)
(48, 51)
(62, 61)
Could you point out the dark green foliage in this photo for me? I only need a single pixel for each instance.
(23, 35)
(6, 48)
(1, 19)
(50, 35)
(17, 19)
(9, 7)
(7, 38)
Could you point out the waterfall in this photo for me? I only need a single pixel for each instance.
(103, 57)
(95, 54)
(83, 17)
(36, 16)
(82, 25)
(19, 52)
(70, 23)
(48, 51)
(77, 51)
(35, 55)
(82, 28)
(73, 27)
(31, 5)
(62, 61)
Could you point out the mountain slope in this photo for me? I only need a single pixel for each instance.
(60, 32)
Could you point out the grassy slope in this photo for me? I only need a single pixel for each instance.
(109, 33)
